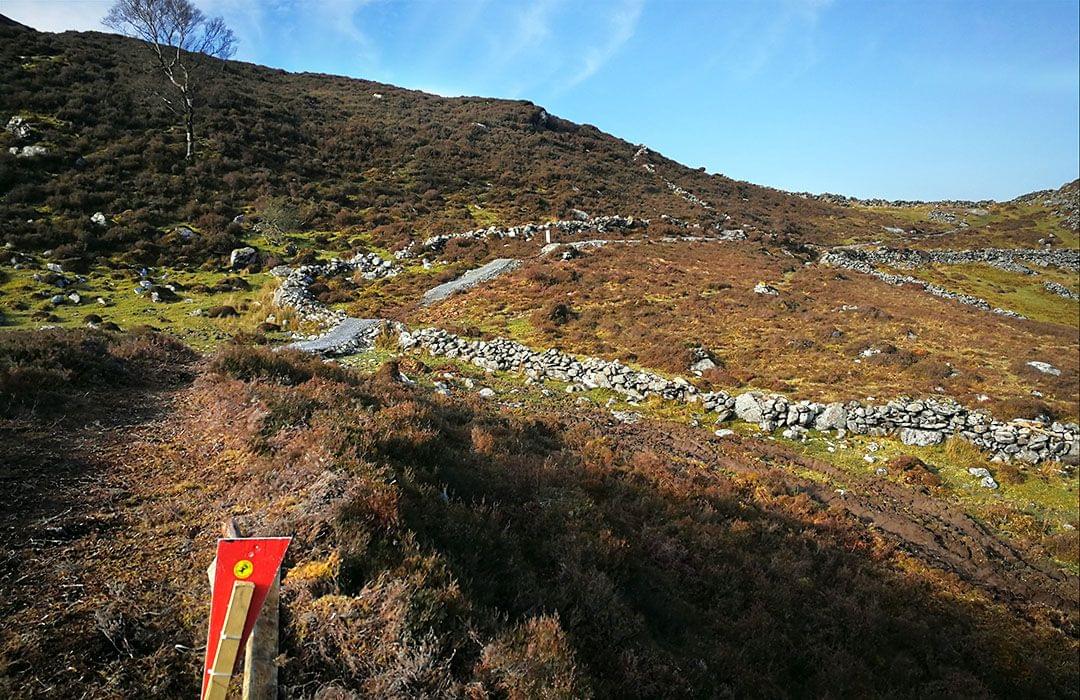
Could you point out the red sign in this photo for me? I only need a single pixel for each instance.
(255, 560)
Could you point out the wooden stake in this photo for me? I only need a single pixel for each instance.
(229, 644)
(260, 657)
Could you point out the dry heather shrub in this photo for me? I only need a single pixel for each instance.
(534, 660)
(1024, 407)
(51, 369)
(391, 638)
(483, 440)
(914, 471)
(963, 454)
(1064, 545)
(288, 367)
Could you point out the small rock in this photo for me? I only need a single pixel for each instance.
(487, 392)
(762, 288)
(1045, 368)
(98, 219)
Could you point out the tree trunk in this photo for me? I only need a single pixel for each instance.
(189, 128)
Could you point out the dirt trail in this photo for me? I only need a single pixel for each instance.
(936, 532)
(90, 576)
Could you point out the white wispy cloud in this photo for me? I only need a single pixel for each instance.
(623, 23)
(784, 30)
(57, 15)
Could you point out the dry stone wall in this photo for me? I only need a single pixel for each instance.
(915, 422)
(927, 422)
(852, 260)
(526, 232)
(294, 291)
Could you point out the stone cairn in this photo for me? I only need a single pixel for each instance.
(927, 422)
(526, 232)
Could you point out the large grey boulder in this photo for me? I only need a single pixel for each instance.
(243, 257)
(748, 407)
(833, 416)
(921, 438)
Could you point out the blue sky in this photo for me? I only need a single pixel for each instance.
(904, 99)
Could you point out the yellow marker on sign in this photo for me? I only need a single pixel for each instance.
(243, 568)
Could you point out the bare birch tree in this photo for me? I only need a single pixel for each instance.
(181, 39)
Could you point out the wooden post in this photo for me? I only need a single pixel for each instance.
(261, 650)
(260, 657)
(229, 645)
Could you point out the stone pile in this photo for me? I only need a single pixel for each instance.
(852, 260)
(295, 293)
(923, 423)
(526, 232)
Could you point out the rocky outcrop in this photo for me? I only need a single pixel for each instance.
(470, 279)
(349, 336)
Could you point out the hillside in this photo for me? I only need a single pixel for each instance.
(558, 416)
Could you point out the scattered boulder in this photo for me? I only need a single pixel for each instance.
(162, 295)
(28, 151)
(701, 360)
(1045, 368)
(762, 288)
(98, 219)
(984, 477)
(243, 257)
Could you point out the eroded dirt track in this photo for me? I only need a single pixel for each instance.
(940, 534)
(92, 574)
